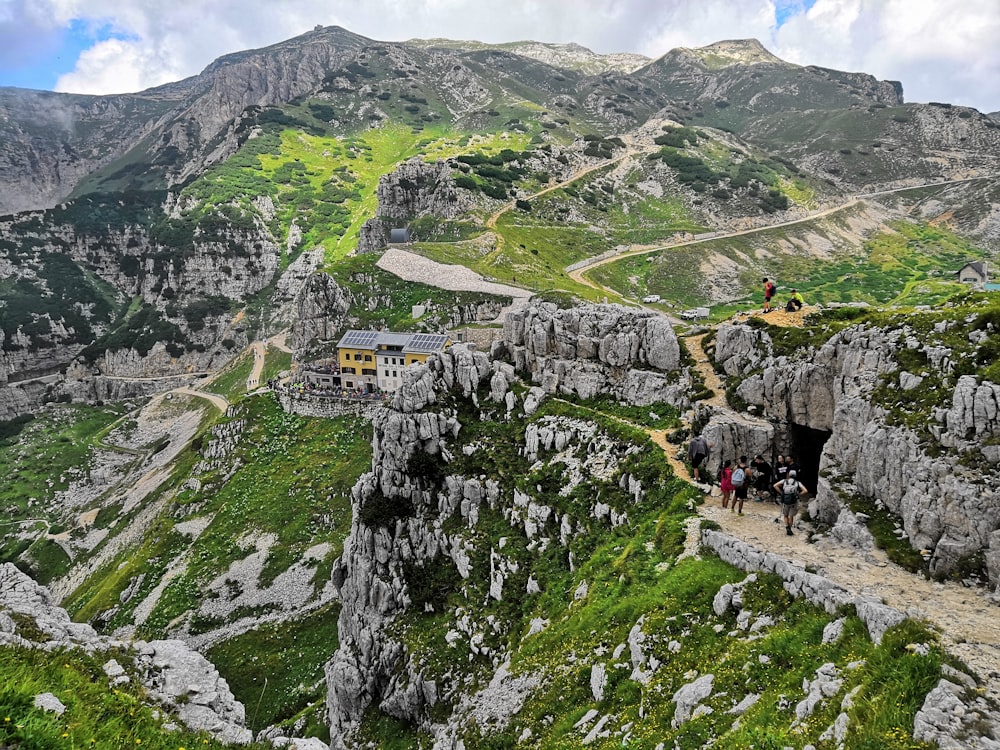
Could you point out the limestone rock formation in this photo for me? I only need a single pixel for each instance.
(595, 349)
(411, 514)
(177, 677)
(416, 188)
(944, 507)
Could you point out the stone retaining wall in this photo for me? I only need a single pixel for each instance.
(799, 582)
(329, 407)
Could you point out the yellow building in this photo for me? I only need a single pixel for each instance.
(371, 360)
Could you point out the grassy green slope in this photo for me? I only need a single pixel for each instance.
(326, 184)
(39, 456)
(290, 478)
(96, 715)
(906, 264)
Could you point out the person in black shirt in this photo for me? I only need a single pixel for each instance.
(761, 477)
(780, 468)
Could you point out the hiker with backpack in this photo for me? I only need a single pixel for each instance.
(741, 479)
(789, 490)
(769, 291)
(726, 482)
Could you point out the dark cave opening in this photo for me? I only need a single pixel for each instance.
(806, 445)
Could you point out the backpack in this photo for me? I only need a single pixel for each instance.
(790, 491)
(739, 476)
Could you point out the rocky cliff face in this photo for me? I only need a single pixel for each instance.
(50, 142)
(935, 476)
(633, 356)
(416, 188)
(410, 517)
(182, 295)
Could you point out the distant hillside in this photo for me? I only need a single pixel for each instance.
(570, 56)
(168, 228)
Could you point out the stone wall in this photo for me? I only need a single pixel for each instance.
(954, 714)
(307, 405)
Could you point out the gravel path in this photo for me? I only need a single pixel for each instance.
(967, 619)
(412, 267)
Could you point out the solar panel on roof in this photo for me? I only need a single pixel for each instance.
(361, 339)
(426, 342)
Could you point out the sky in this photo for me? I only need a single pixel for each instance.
(941, 50)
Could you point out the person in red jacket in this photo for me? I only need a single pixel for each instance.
(769, 290)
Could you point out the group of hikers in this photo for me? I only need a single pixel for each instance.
(795, 300)
(736, 479)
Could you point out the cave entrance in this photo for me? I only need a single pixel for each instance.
(806, 445)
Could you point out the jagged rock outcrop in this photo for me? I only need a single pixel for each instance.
(177, 677)
(944, 507)
(291, 284)
(389, 527)
(734, 435)
(631, 355)
(416, 188)
(402, 509)
(954, 717)
(373, 237)
(323, 306)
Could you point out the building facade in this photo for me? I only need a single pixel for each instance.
(975, 273)
(372, 361)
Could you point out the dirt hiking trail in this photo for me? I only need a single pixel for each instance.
(967, 619)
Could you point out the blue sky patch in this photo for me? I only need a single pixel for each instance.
(785, 9)
(41, 67)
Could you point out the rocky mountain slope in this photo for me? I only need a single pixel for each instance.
(502, 554)
(903, 415)
(177, 245)
(467, 595)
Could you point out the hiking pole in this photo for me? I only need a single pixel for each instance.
(253, 721)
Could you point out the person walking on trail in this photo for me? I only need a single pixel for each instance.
(795, 302)
(789, 489)
(741, 483)
(697, 452)
(726, 482)
(769, 290)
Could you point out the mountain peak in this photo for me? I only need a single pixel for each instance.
(735, 52)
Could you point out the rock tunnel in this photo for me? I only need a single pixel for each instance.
(806, 445)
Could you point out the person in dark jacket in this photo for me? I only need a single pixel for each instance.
(761, 477)
(698, 451)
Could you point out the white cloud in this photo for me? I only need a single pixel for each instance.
(117, 65)
(945, 51)
(941, 51)
(695, 24)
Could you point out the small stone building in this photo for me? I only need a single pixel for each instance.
(975, 273)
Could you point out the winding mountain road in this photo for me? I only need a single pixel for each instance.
(578, 273)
